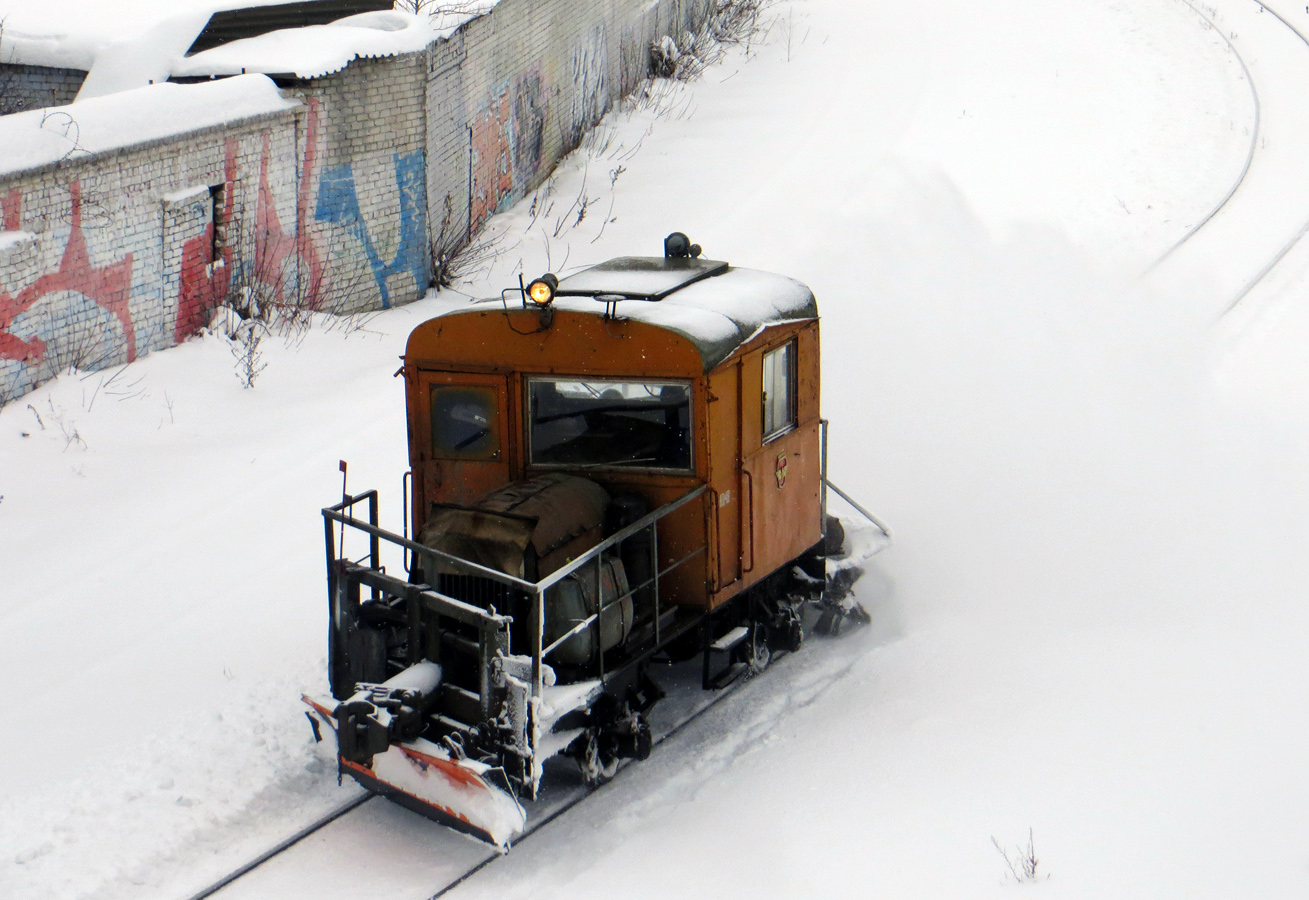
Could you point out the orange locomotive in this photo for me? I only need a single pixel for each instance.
(617, 472)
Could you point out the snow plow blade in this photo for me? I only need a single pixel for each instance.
(424, 777)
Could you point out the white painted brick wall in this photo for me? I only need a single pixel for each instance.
(336, 203)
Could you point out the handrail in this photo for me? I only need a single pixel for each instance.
(423, 549)
(749, 478)
(334, 513)
(585, 623)
(618, 537)
(577, 629)
(886, 529)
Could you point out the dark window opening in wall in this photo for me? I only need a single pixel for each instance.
(218, 207)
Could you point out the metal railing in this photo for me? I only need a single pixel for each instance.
(827, 484)
(428, 557)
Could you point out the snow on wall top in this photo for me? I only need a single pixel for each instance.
(41, 137)
(151, 47)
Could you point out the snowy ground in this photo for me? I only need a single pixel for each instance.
(1092, 622)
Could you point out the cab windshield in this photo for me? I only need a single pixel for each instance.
(636, 424)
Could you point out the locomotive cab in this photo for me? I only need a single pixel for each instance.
(649, 377)
(610, 473)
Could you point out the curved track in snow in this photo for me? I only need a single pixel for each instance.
(350, 827)
(1267, 200)
(1304, 229)
(1250, 152)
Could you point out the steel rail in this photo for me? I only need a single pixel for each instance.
(1304, 229)
(353, 804)
(283, 846)
(1249, 156)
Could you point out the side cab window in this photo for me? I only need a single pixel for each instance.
(779, 391)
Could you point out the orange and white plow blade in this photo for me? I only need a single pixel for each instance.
(423, 777)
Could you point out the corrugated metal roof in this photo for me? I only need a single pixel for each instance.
(235, 24)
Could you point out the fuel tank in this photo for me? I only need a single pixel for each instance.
(529, 529)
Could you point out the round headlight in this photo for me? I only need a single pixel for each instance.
(542, 290)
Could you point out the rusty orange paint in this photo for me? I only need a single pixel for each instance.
(452, 770)
(743, 537)
(454, 813)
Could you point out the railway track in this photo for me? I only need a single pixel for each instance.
(1250, 151)
(542, 813)
(687, 702)
(1304, 228)
(1257, 142)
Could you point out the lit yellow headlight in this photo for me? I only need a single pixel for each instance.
(539, 293)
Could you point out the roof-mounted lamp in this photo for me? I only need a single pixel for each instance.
(541, 292)
(679, 246)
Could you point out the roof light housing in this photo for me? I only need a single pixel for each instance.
(679, 246)
(541, 292)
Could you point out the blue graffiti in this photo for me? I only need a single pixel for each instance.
(338, 203)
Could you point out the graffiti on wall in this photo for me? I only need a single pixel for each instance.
(203, 280)
(285, 266)
(338, 204)
(507, 136)
(72, 311)
(108, 287)
(234, 237)
(590, 71)
(11, 207)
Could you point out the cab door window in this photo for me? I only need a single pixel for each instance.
(779, 391)
(465, 423)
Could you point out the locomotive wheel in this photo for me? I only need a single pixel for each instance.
(597, 762)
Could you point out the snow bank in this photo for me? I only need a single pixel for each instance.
(42, 137)
(142, 60)
(154, 48)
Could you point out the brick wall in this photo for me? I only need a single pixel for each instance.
(33, 87)
(118, 255)
(364, 151)
(332, 206)
(511, 93)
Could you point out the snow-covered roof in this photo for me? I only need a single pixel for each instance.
(41, 137)
(314, 50)
(152, 46)
(718, 313)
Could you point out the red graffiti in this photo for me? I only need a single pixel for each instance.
(285, 260)
(308, 250)
(110, 287)
(287, 264)
(203, 283)
(11, 209)
(493, 174)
